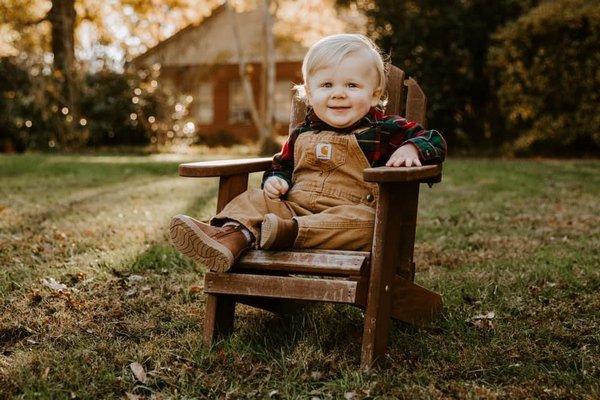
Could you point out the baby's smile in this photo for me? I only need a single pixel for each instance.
(343, 93)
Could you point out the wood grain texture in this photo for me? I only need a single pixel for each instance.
(414, 304)
(402, 174)
(406, 194)
(220, 310)
(416, 103)
(395, 91)
(377, 313)
(206, 169)
(230, 187)
(309, 263)
(218, 318)
(283, 287)
(393, 246)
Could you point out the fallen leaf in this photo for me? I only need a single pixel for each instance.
(489, 315)
(138, 371)
(274, 394)
(146, 289)
(54, 284)
(316, 375)
(483, 321)
(483, 324)
(135, 278)
(349, 395)
(131, 396)
(195, 289)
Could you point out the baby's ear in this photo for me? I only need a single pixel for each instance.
(376, 97)
(307, 95)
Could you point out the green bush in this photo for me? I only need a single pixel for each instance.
(130, 108)
(19, 116)
(443, 45)
(547, 77)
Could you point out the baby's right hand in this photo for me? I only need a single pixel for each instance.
(275, 187)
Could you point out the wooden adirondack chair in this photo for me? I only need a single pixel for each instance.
(380, 282)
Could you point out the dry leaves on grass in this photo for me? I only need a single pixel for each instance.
(54, 284)
(483, 321)
(138, 371)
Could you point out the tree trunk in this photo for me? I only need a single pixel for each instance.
(263, 125)
(267, 143)
(62, 18)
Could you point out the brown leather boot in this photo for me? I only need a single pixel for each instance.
(277, 233)
(215, 247)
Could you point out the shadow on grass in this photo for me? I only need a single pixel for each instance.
(312, 331)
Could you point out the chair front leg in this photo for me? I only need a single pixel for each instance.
(218, 319)
(220, 310)
(389, 255)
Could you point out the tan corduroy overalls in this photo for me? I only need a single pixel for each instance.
(332, 204)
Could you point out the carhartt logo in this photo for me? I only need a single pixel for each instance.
(323, 151)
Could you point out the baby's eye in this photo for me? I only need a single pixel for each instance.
(326, 84)
(352, 85)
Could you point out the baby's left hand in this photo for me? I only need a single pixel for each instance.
(407, 155)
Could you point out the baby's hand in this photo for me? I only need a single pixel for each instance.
(407, 155)
(275, 187)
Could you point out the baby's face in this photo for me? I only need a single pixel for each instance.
(342, 94)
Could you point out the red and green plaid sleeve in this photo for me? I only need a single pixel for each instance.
(394, 131)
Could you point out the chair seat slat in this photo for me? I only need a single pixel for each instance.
(336, 263)
(285, 287)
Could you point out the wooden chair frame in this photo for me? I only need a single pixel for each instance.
(380, 282)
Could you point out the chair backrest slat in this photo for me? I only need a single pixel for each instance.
(416, 103)
(394, 90)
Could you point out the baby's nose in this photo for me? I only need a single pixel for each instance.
(338, 92)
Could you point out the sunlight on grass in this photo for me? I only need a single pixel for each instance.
(519, 238)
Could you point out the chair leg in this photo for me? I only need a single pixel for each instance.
(219, 316)
(414, 304)
(375, 337)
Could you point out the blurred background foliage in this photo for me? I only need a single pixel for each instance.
(114, 109)
(505, 77)
(546, 75)
(502, 77)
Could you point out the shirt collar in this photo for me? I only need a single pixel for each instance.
(315, 123)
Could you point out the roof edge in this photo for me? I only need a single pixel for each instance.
(140, 58)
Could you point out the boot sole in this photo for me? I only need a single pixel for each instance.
(268, 231)
(194, 243)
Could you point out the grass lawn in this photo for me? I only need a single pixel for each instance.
(520, 239)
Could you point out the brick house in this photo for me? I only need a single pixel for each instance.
(201, 60)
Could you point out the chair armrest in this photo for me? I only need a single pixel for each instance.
(204, 169)
(426, 173)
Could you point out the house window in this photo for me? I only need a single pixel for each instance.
(239, 112)
(283, 101)
(205, 110)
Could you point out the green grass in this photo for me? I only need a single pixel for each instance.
(520, 238)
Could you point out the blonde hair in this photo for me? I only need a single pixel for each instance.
(331, 50)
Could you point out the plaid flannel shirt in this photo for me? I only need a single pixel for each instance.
(378, 136)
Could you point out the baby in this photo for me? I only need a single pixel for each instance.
(314, 195)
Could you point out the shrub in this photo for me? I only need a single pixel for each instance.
(443, 45)
(130, 108)
(548, 78)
